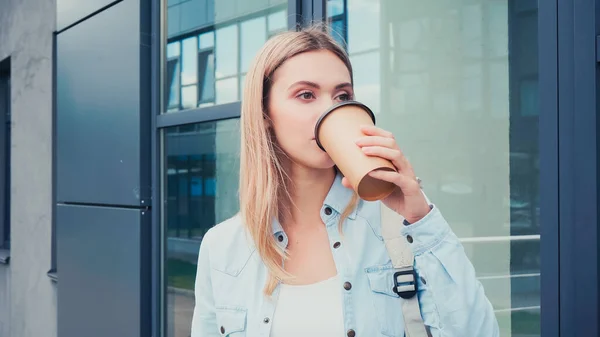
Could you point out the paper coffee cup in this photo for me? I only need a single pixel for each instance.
(336, 133)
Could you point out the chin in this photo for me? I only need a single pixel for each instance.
(315, 160)
(322, 161)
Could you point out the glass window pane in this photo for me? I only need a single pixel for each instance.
(211, 40)
(227, 51)
(172, 83)
(206, 66)
(207, 40)
(338, 31)
(277, 21)
(227, 90)
(363, 24)
(173, 49)
(189, 97)
(200, 178)
(444, 81)
(189, 65)
(335, 7)
(254, 35)
(366, 79)
(172, 76)
(242, 82)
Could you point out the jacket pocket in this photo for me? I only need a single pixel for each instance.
(387, 303)
(231, 321)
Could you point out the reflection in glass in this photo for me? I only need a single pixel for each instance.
(189, 68)
(464, 109)
(363, 27)
(189, 97)
(338, 31)
(242, 81)
(227, 51)
(206, 71)
(337, 18)
(277, 22)
(366, 78)
(253, 37)
(198, 57)
(335, 7)
(227, 90)
(207, 40)
(200, 186)
(172, 76)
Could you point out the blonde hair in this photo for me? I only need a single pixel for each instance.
(264, 183)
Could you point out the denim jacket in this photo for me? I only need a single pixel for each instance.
(231, 276)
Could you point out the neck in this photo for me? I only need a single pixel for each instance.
(308, 191)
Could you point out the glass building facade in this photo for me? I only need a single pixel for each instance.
(456, 82)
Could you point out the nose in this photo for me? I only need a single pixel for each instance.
(320, 108)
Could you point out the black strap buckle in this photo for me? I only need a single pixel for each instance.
(405, 283)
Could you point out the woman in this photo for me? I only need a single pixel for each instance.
(305, 256)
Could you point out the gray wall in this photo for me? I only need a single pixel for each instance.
(103, 168)
(27, 295)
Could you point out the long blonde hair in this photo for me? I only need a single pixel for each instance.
(264, 183)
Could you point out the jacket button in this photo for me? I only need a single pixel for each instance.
(223, 330)
(328, 210)
(347, 285)
(337, 245)
(409, 239)
(351, 333)
(280, 238)
(266, 320)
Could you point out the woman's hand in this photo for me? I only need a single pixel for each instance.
(407, 199)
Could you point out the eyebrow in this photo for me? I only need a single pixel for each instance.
(316, 86)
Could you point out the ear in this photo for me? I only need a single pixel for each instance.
(267, 122)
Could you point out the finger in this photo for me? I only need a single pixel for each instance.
(372, 130)
(404, 181)
(393, 155)
(376, 141)
(346, 183)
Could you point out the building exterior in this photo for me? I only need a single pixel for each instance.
(119, 147)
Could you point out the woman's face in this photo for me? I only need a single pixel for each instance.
(303, 88)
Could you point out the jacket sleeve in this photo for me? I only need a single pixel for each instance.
(204, 318)
(452, 300)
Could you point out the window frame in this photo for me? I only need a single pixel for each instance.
(5, 145)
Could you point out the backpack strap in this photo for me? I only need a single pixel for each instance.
(405, 277)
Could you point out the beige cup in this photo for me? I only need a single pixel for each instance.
(336, 132)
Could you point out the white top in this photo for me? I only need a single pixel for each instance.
(313, 310)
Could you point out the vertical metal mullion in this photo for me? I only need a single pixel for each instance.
(300, 13)
(239, 59)
(4, 163)
(319, 10)
(578, 168)
(157, 55)
(585, 178)
(8, 156)
(549, 167)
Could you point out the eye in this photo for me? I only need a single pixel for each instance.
(344, 97)
(306, 95)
